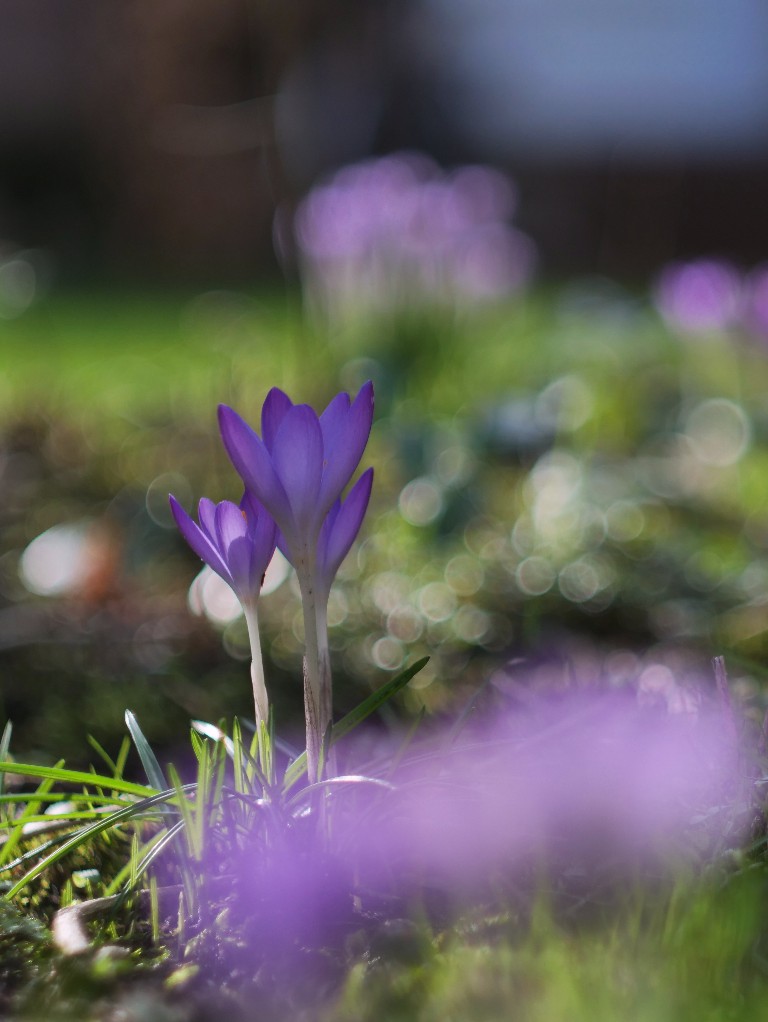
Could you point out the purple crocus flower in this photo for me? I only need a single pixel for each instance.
(298, 469)
(700, 296)
(237, 542)
(300, 466)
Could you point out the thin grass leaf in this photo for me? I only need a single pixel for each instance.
(344, 780)
(154, 910)
(252, 770)
(265, 751)
(122, 756)
(216, 734)
(220, 766)
(34, 852)
(238, 756)
(61, 819)
(155, 775)
(197, 745)
(136, 866)
(99, 749)
(87, 798)
(5, 745)
(79, 777)
(368, 706)
(185, 809)
(201, 799)
(149, 858)
(133, 860)
(26, 816)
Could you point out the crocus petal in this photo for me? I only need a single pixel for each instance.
(344, 523)
(206, 515)
(231, 525)
(298, 459)
(283, 547)
(344, 438)
(273, 412)
(262, 534)
(234, 544)
(254, 465)
(333, 422)
(199, 542)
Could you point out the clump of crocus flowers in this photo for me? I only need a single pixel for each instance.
(706, 296)
(295, 475)
(399, 232)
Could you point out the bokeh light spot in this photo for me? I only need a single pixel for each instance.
(421, 501)
(56, 561)
(535, 575)
(719, 432)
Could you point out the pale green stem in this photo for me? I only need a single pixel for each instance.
(260, 697)
(324, 661)
(317, 676)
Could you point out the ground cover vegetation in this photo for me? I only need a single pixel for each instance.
(569, 501)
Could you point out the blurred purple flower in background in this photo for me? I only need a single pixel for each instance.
(756, 302)
(700, 297)
(399, 231)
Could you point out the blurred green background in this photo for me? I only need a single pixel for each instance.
(565, 491)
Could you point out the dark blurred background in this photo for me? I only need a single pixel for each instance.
(154, 141)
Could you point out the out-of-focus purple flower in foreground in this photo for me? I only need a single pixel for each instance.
(298, 469)
(237, 542)
(398, 231)
(703, 296)
(586, 779)
(591, 786)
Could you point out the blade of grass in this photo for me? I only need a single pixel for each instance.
(25, 817)
(345, 780)
(86, 798)
(5, 744)
(155, 775)
(143, 865)
(79, 777)
(237, 756)
(159, 838)
(215, 733)
(201, 798)
(186, 810)
(34, 852)
(99, 749)
(122, 756)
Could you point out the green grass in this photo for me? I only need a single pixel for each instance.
(698, 956)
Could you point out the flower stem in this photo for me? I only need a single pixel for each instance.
(260, 697)
(317, 673)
